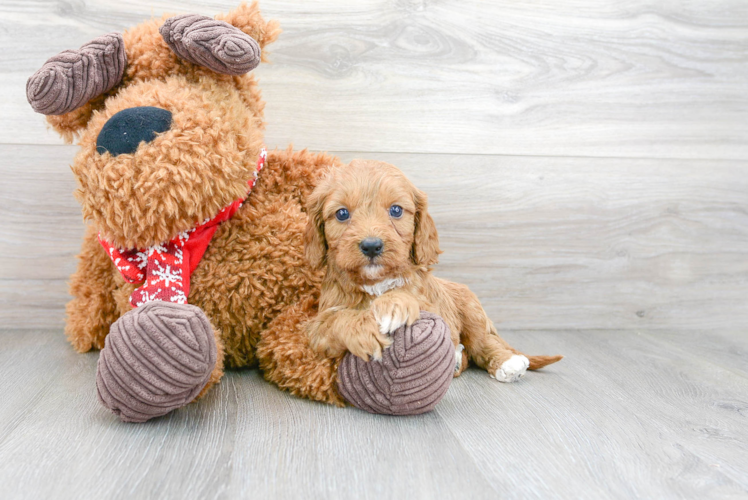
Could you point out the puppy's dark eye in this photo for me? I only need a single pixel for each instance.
(342, 215)
(396, 211)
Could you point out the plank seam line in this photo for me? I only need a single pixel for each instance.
(346, 151)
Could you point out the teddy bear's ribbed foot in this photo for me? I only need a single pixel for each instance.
(412, 376)
(157, 358)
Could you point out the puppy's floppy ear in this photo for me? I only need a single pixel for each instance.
(425, 251)
(315, 243)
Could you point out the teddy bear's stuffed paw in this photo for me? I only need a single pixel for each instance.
(512, 369)
(413, 375)
(156, 358)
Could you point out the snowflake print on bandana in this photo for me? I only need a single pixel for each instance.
(165, 269)
(164, 272)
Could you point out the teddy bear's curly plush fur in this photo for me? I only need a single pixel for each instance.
(253, 283)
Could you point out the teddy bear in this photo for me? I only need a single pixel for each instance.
(193, 257)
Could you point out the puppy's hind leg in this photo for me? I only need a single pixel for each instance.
(484, 345)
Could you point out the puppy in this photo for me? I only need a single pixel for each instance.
(369, 226)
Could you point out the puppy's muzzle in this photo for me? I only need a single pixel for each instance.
(371, 247)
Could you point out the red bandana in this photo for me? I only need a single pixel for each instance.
(166, 268)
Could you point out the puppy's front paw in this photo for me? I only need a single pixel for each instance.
(389, 323)
(366, 346)
(512, 369)
(392, 312)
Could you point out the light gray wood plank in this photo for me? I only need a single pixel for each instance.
(40, 234)
(33, 303)
(620, 417)
(30, 362)
(555, 243)
(42, 225)
(640, 78)
(328, 452)
(727, 348)
(245, 439)
(547, 243)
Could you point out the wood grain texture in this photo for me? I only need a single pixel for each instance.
(622, 416)
(586, 166)
(559, 243)
(40, 234)
(245, 439)
(576, 242)
(641, 78)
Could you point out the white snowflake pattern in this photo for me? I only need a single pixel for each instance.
(111, 255)
(166, 274)
(117, 260)
(184, 236)
(146, 297)
(178, 296)
(123, 267)
(159, 248)
(140, 259)
(178, 256)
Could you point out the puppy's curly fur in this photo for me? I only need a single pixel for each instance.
(366, 297)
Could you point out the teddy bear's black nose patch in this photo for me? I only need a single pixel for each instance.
(124, 131)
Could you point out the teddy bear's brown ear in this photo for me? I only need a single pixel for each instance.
(229, 45)
(248, 19)
(210, 43)
(69, 85)
(70, 79)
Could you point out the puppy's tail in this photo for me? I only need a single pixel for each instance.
(538, 362)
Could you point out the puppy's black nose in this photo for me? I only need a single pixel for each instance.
(124, 131)
(371, 247)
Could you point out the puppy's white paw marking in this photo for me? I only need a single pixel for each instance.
(384, 324)
(458, 357)
(512, 369)
(388, 324)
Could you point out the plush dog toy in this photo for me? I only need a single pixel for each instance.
(193, 258)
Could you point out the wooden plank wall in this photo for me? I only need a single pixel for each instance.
(587, 162)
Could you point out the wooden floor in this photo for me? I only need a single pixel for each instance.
(625, 415)
(587, 167)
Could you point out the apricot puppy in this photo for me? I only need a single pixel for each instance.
(370, 228)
